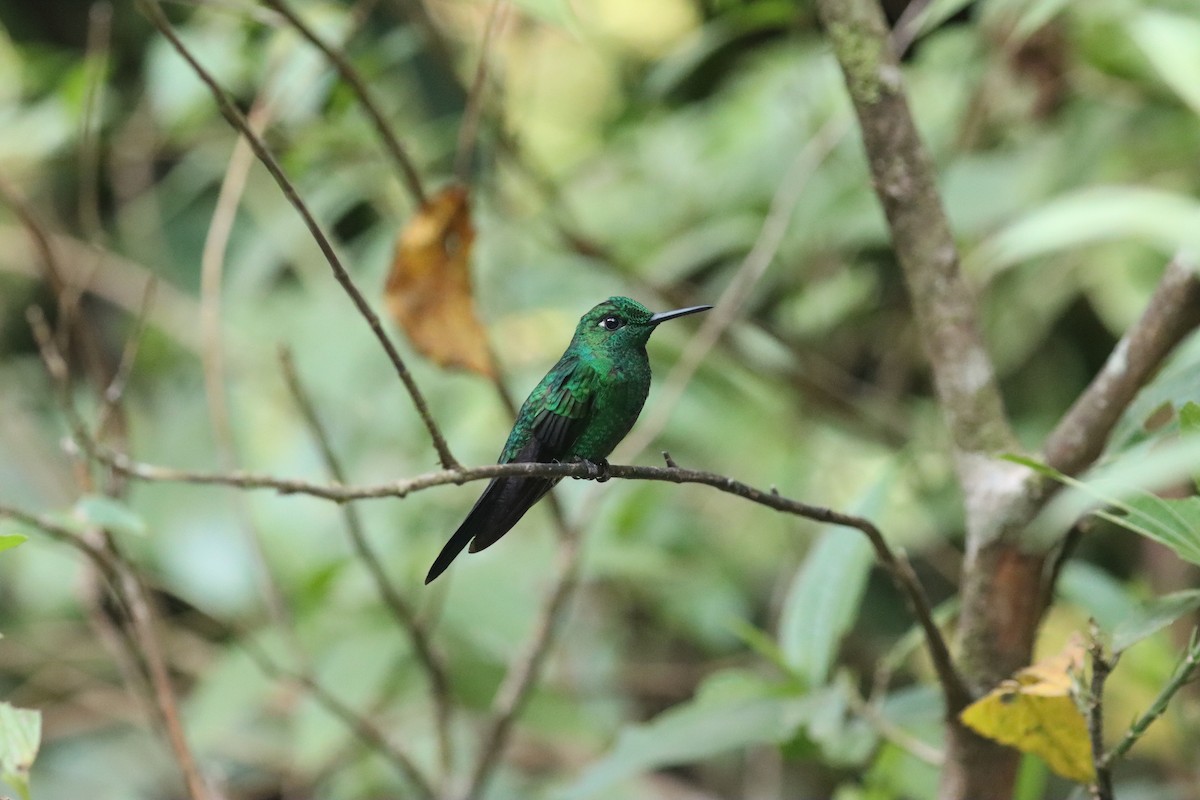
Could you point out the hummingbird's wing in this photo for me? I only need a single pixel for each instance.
(560, 406)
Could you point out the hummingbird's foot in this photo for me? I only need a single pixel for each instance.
(603, 475)
(596, 470)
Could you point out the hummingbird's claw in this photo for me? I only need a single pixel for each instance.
(596, 470)
(602, 476)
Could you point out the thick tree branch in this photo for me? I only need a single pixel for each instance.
(238, 121)
(943, 307)
(1172, 313)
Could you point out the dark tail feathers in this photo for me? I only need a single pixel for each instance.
(499, 508)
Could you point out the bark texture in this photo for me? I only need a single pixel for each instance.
(1003, 583)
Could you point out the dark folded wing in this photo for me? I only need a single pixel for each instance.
(566, 404)
(561, 405)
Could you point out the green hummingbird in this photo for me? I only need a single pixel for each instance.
(580, 411)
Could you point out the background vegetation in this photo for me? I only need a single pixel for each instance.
(677, 151)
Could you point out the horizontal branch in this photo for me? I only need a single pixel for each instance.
(895, 563)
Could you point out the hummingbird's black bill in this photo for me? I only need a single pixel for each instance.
(663, 316)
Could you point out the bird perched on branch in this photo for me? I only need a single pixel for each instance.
(580, 411)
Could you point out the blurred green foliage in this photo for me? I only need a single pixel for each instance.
(714, 646)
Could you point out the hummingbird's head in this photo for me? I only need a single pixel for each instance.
(620, 323)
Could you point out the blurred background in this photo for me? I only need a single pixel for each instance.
(676, 151)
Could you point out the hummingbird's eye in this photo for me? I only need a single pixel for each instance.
(611, 322)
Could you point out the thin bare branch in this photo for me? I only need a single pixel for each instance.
(914, 746)
(366, 731)
(404, 162)
(125, 582)
(109, 564)
(237, 120)
(1102, 667)
(526, 668)
(212, 354)
(98, 45)
(59, 533)
(893, 561)
(145, 623)
(733, 300)
(406, 617)
(469, 127)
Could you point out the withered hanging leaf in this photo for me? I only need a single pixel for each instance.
(428, 291)
(1034, 712)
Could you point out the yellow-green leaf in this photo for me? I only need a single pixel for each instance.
(1034, 712)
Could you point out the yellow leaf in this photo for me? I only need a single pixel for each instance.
(1034, 712)
(428, 290)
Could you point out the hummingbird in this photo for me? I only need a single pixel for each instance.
(580, 411)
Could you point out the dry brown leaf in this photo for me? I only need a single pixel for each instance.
(428, 290)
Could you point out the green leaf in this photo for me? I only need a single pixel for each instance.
(731, 710)
(1171, 42)
(824, 597)
(760, 642)
(1167, 220)
(20, 735)
(1034, 16)
(1097, 593)
(1189, 417)
(1154, 617)
(1125, 487)
(10, 540)
(1175, 523)
(105, 512)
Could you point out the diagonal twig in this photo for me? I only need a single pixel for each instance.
(1182, 674)
(729, 306)
(237, 120)
(469, 127)
(109, 565)
(212, 354)
(514, 691)
(405, 615)
(404, 162)
(126, 584)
